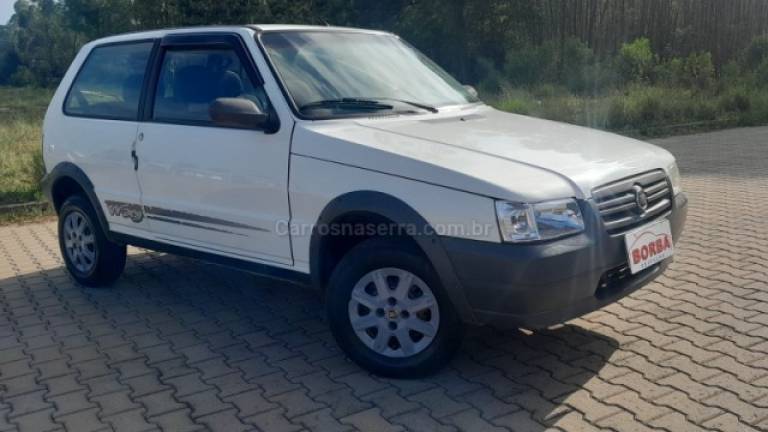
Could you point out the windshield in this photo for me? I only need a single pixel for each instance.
(336, 74)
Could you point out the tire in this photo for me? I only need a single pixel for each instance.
(376, 263)
(90, 258)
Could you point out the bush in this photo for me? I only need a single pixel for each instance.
(528, 65)
(730, 76)
(633, 93)
(492, 81)
(756, 53)
(636, 60)
(594, 79)
(547, 91)
(669, 72)
(695, 71)
(735, 100)
(758, 110)
(513, 105)
(761, 74)
(578, 69)
(699, 71)
(23, 76)
(648, 108)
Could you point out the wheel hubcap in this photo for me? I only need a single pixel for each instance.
(394, 312)
(79, 242)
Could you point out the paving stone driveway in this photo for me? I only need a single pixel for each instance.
(182, 345)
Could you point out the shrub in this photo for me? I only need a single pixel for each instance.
(699, 71)
(636, 60)
(761, 74)
(758, 111)
(23, 76)
(576, 56)
(756, 53)
(529, 64)
(565, 108)
(669, 72)
(730, 76)
(735, 100)
(513, 105)
(593, 79)
(492, 80)
(649, 109)
(547, 91)
(617, 118)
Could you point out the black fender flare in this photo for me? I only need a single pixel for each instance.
(400, 213)
(68, 170)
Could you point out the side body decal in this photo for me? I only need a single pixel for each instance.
(137, 212)
(130, 211)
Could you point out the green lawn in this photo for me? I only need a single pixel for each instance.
(21, 163)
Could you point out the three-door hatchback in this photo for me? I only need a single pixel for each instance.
(347, 160)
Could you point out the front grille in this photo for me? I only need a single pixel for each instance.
(618, 203)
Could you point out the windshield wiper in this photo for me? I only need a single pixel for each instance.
(366, 104)
(425, 107)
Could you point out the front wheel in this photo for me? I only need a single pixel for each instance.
(389, 312)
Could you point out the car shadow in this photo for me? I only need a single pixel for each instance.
(167, 308)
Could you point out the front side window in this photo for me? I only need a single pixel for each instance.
(191, 80)
(109, 83)
(339, 73)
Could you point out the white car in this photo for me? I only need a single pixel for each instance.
(345, 159)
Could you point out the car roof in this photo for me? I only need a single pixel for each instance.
(259, 28)
(296, 27)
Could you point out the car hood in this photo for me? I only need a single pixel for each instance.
(485, 151)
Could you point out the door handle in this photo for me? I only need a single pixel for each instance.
(135, 160)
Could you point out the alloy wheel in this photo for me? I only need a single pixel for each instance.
(80, 242)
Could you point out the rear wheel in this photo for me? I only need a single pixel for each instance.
(389, 312)
(89, 256)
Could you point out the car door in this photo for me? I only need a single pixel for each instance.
(99, 126)
(205, 186)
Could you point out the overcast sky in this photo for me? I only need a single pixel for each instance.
(6, 10)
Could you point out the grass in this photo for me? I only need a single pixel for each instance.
(21, 161)
(27, 215)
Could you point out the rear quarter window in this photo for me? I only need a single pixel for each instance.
(109, 83)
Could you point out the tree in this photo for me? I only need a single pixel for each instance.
(96, 18)
(9, 61)
(466, 37)
(40, 41)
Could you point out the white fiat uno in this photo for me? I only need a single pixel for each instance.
(347, 160)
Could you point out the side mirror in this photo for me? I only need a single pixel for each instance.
(471, 90)
(237, 112)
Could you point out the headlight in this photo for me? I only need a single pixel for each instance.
(523, 222)
(674, 177)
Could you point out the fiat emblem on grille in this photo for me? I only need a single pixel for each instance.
(641, 198)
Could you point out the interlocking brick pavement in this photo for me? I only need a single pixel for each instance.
(183, 345)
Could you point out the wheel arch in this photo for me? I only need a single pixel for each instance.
(379, 207)
(66, 179)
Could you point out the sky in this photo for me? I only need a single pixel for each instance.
(6, 10)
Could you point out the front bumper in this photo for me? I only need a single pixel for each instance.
(538, 285)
